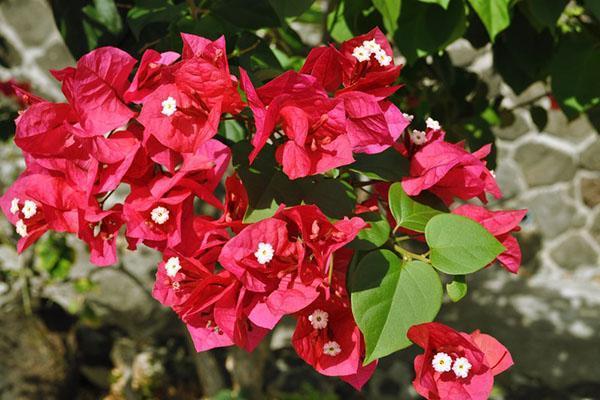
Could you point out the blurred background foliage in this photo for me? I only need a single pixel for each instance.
(555, 42)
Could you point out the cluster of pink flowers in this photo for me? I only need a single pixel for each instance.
(232, 282)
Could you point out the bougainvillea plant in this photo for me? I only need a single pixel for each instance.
(310, 196)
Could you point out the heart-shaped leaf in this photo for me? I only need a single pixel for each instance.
(408, 213)
(460, 245)
(389, 296)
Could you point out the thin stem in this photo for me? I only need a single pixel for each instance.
(409, 255)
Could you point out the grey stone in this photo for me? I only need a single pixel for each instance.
(533, 323)
(595, 228)
(462, 53)
(590, 158)
(31, 19)
(142, 264)
(552, 212)
(575, 131)
(544, 165)
(120, 299)
(518, 127)
(509, 178)
(57, 56)
(574, 251)
(590, 191)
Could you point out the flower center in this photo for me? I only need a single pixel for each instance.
(29, 209)
(21, 228)
(172, 266)
(160, 215)
(318, 319)
(14, 206)
(371, 47)
(332, 348)
(442, 362)
(382, 58)
(264, 253)
(461, 367)
(433, 124)
(361, 54)
(418, 137)
(169, 106)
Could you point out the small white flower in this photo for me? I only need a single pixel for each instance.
(442, 362)
(318, 319)
(461, 367)
(14, 206)
(160, 215)
(382, 58)
(371, 46)
(418, 137)
(29, 209)
(361, 54)
(97, 229)
(172, 266)
(332, 348)
(264, 253)
(21, 228)
(409, 117)
(169, 106)
(433, 124)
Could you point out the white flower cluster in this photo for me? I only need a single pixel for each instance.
(318, 319)
(159, 215)
(264, 253)
(172, 266)
(332, 348)
(169, 106)
(442, 362)
(371, 47)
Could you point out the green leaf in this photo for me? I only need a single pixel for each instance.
(256, 57)
(147, 12)
(494, 14)
(259, 14)
(539, 115)
(269, 187)
(266, 186)
(105, 12)
(387, 166)
(457, 289)
(232, 130)
(388, 297)
(415, 37)
(375, 235)
(334, 197)
(361, 16)
(339, 29)
(290, 8)
(574, 73)
(390, 11)
(442, 3)
(460, 245)
(408, 213)
(54, 256)
(593, 6)
(543, 13)
(522, 54)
